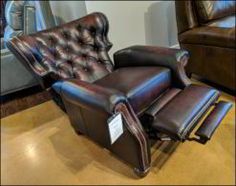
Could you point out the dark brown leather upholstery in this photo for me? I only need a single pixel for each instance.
(182, 116)
(209, 35)
(185, 15)
(215, 117)
(207, 30)
(89, 106)
(173, 59)
(99, 97)
(210, 10)
(141, 85)
(161, 101)
(76, 50)
(146, 82)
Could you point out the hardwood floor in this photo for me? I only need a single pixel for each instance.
(22, 100)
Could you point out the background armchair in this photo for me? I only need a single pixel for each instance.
(207, 30)
(26, 17)
(146, 86)
(22, 18)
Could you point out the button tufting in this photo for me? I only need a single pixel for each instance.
(69, 62)
(65, 34)
(77, 45)
(95, 47)
(55, 54)
(92, 30)
(79, 40)
(50, 38)
(79, 27)
(93, 33)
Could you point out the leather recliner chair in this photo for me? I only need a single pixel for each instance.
(146, 85)
(207, 30)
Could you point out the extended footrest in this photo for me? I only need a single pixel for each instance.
(179, 114)
(212, 121)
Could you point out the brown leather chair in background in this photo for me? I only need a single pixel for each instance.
(207, 30)
(146, 85)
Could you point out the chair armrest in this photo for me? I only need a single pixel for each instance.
(175, 59)
(104, 100)
(88, 95)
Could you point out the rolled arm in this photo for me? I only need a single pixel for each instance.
(89, 95)
(98, 98)
(175, 59)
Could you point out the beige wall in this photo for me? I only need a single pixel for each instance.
(68, 10)
(131, 22)
(138, 22)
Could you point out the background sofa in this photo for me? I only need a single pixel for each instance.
(22, 17)
(207, 30)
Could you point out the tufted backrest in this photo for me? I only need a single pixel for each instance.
(78, 49)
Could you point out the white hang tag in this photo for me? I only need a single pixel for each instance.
(115, 126)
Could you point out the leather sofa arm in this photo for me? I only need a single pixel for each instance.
(175, 59)
(89, 95)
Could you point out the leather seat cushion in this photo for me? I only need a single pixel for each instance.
(141, 85)
(217, 33)
(178, 116)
